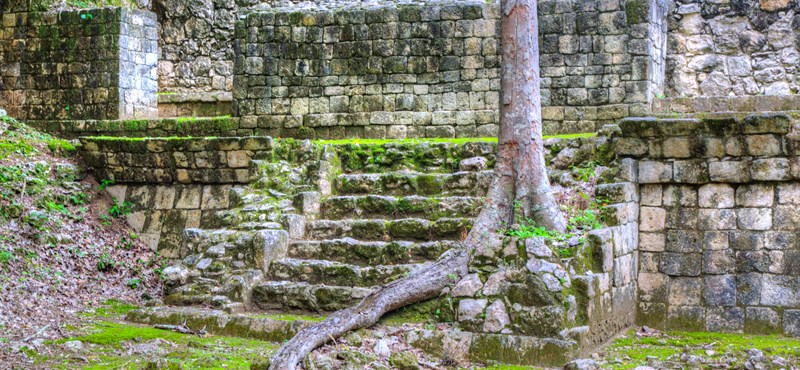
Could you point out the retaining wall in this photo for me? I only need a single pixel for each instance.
(433, 71)
(718, 246)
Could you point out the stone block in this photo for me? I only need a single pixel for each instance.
(680, 195)
(748, 289)
(651, 195)
(652, 219)
(651, 172)
(653, 287)
(716, 196)
(720, 290)
(717, 219)
(677, 147)
(717, 262)
(791, 323)
(771, 169)
(686, 318)
(684, 241)
(725, 319)
(653, 242)
(763, 145)
(681, 264)
(653, 315)
(755, 195)
(762, 320)
(786, 217)
(754, 218)
(729, 171)
(789, 193)
(691, 171)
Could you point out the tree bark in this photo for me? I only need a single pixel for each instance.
(520, 188)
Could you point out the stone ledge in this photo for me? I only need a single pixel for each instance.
(219, 322)
(203, 97)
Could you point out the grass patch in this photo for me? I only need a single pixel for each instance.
(635, 351)
(111, 342)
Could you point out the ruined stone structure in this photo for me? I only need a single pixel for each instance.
(407, 69)
(700, 212)
(718, 219)
(76, 65)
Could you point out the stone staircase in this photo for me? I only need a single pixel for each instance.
(320, 228)
(375, 227)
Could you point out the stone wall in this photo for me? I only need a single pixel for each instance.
(433, 70)
(164, 127)
(386, 71)
(196, 45)
(718, 246)
(161, 213)
(596, 61)
(733, 48)
(94, 63)
(174, 160)
(173, 184)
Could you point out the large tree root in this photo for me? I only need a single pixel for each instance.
(424, 283)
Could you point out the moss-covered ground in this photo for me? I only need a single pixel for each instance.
(678, 350)
(106, 342)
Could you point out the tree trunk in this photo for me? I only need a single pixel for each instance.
(520, 187)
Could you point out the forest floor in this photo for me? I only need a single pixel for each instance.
(64, 244)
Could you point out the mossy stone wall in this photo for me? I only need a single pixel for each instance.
(87, 64)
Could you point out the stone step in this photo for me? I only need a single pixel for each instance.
(386, 206)
(413, 183)
(336, 273)
(256, 225)
(369, 253)
(281, 295)
(381, 229)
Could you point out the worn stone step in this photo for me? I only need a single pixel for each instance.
(279, 295)
(413, 183)
(256, 225)
(381, 229)
(386, 206)
(369, 253)
(336, 273)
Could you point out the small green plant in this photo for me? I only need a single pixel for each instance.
(585, 220)
(120, 209)
(105, 183)
(79, 198)
(5, 256)
(106, 263)
(105, 220)
(128, 242)
(133, 283)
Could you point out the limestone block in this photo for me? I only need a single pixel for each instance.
(754, 218)
(686, 291)
(770, 169)
(725, 319)
(729, 171)
(755, 195)
(654, 172)
(470, 309)
(652, 219)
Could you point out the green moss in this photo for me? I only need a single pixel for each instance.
(187, 351)
(111, 307)
(638, 349)
(636, 11)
